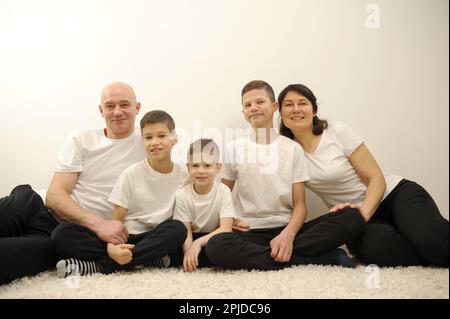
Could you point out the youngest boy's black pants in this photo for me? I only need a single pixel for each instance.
(176, 259)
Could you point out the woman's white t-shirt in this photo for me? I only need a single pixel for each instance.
(332, 176)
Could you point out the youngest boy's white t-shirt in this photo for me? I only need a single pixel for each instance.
(99, 161)
(332, 176)
(149, 196)
(203, 211)
(264, 174)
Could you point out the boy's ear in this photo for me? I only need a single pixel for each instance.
(174, 138)
(219, 166)
(275, 106)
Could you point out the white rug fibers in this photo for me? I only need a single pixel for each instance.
(296, 282)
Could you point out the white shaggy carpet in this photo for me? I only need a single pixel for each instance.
(296, 282)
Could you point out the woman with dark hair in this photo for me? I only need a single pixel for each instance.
(403, 224)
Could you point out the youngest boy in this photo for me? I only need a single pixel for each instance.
(205, 205)
(144, 196)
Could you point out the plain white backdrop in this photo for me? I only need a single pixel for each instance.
(380, 66)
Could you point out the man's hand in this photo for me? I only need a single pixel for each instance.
(282, 247)
(111, 231)
(120, 253)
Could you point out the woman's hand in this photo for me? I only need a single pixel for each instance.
(340, 206)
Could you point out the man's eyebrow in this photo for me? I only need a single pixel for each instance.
(121, 101)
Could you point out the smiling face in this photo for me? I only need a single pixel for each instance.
(297, 111)
(119, 108)
(203, 173)
(158, 141)
(203, 164)
(258, 108)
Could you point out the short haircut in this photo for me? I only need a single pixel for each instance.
(259, 85)
(158, 116)
(203, 149)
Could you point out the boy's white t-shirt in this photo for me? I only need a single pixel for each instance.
(149, 196)
(332, 176)
(99, 161)
(264, 174)
(203, 211)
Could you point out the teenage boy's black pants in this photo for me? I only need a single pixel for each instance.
(251, 250)
(76, 241)
(407, 229)
(25, 229)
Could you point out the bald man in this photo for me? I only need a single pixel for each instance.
(86, 171)
(91, 162)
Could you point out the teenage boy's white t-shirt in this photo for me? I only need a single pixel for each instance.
(264, 174)
(99, 161)
(203, 211)
(332, 176)
(149, 196)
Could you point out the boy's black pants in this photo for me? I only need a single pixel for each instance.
(203, 260)
(76, 241)
(251, 250)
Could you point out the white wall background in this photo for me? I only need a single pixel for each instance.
(192, 58)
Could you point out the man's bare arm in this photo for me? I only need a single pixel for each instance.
(59, 201)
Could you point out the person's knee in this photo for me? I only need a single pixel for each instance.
(353, 221)
(217, 247)
(22, 188)
(179, 230)
(175, 229)
(367, 248)
(370, 249)
(24, 199)
(381, 245)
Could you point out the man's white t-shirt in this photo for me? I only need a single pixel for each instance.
(149, 196)
(99, 161)
(203, 211)
(264, 174)
(332, 176)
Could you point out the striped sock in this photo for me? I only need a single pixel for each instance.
(163, 262)
(73, 267)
